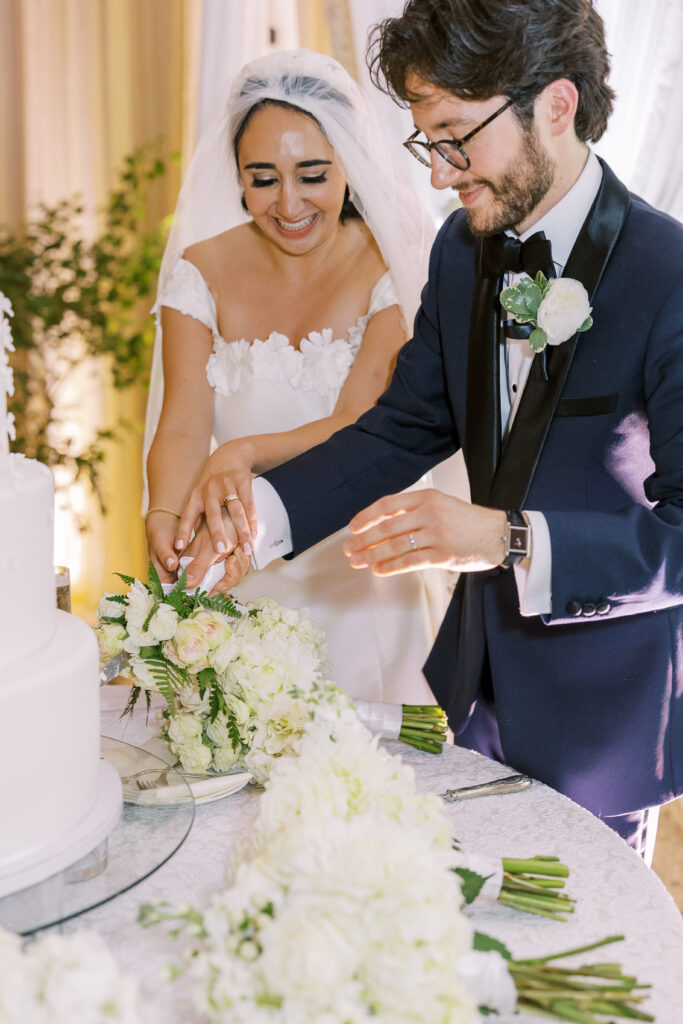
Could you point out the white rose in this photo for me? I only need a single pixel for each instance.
(183, 729)
(110, 609)
(191, 645)
(563, 310)
(140, 604)
(163, 623)
(111, 637)
(141, 673)
(214, 625)
(195, 756)
(224, 757)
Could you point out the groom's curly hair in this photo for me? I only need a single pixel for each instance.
(476, 49)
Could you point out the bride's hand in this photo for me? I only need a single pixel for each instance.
(160, 528)
(200, 550)
(228, 489)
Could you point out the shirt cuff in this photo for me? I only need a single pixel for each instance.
(534, 583)
(274, 536)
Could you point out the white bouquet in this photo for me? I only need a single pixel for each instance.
(240, 683)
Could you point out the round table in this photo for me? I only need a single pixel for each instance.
(617, 894)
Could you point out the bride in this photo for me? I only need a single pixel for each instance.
(291, 274)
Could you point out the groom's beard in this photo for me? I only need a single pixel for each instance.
(515, 194)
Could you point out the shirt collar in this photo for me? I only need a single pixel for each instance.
(563, 222)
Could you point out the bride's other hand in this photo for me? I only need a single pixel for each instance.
(160, 528)
(224, 485)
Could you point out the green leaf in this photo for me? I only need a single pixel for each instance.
(154, 585)
(117, 598)
(132, 701)
(167, 677)
(128, 580)
(487, 944)
(206, 677)
(541, 281)
(471, 884)
(150, 615)
(538, 339)
(120, 620)
(234, 733)
(216, 703)
(219, 603)
(587, 323)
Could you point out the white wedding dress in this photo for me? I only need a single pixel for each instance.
(377, 629)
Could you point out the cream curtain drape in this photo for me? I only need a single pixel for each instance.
(82, 83)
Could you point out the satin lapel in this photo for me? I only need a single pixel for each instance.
(587, 261)
(482, 436)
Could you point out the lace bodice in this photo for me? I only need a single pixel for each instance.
(320, 364)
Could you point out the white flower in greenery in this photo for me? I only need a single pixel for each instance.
(140, 604)
(184, 729)
(564, 309)
(110, 637)
(214, 625)
(190, 699)
(191, 645)
(558, 309)
(194, 756)
(142, 673)
(109, 609)
(163, 623)
(224, 757)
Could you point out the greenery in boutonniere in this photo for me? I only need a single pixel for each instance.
(558, 308)
(75, 298)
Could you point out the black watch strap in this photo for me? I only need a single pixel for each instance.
(516, 539)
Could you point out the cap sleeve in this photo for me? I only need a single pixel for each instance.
(383, 295)
(186, 290)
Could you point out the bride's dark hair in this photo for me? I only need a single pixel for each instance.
(297, 85)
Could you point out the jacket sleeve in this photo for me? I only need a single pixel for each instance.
(629, 561)
(390, 447)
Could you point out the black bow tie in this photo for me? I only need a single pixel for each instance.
(501, 254)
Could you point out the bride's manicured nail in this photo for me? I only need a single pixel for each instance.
(247, 548)
(179, 544)
(221, 548)
(254, 534)
(170, 562)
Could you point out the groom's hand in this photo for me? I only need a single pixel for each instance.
(425, 528)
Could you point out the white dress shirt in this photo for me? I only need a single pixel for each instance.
(561, 226)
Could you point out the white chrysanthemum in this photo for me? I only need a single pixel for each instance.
(140, 604)
(65, 980)
(563, 309)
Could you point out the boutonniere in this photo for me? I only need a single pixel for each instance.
(558, 308)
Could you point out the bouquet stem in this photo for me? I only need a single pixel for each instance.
(577, 994)
(523, 889)
(424, 727)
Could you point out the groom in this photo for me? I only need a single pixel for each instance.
(561, 653)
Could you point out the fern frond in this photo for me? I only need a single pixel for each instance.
(128, 580)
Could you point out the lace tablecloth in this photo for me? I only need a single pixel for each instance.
(617, 894)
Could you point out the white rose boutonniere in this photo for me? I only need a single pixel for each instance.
(558, 309)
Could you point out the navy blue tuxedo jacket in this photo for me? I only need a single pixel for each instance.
(588, 699)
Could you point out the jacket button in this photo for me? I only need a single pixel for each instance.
(574, 608)
(589, 609)
(604, 607)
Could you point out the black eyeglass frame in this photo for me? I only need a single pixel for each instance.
(412, 143)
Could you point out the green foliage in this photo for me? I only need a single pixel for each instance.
(471, 883)
(486, 944)
(74, 298)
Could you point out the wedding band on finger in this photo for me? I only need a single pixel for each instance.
(413, 543)
(230, 497)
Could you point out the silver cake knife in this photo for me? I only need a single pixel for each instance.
(113, 667)
(509, 784)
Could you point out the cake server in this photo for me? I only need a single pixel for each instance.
(508, 784)
(113, 667)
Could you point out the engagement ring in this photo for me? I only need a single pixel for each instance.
(412, 542)
(230, 497)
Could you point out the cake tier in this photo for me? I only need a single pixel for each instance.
(49, 741)
(27, 596)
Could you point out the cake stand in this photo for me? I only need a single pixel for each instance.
(144, 838)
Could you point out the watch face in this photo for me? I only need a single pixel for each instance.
(517, 542)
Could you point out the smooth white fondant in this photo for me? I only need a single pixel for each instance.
(27, 586)
(49, 740)
(67, 848)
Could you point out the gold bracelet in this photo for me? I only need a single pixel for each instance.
(160, 508)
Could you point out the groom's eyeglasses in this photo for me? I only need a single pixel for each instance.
(451, 150)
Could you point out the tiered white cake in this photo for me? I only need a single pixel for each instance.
(52, 784)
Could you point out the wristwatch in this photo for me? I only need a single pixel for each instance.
(516, 539)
